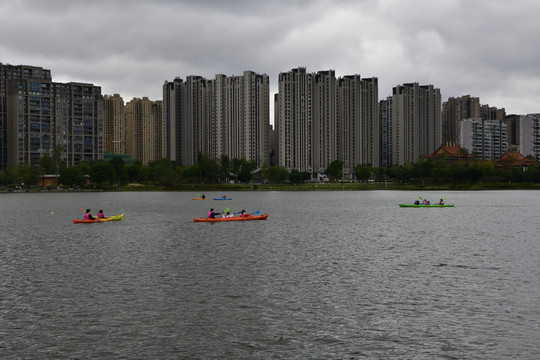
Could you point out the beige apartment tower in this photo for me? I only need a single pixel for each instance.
(144, 129)
(114, 124)
(416, 122)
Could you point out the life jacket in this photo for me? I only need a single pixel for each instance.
(100, 215)
(87, 216)
(209, 214)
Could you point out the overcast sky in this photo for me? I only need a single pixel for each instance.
(483, 48)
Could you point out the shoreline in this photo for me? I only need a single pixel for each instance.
(198, 188)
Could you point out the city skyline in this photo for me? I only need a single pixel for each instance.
(485, 49)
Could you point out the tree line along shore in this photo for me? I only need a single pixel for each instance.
(239, 174)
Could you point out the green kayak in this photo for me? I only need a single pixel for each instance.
(423, 206)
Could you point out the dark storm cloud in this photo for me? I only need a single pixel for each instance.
(482, 48)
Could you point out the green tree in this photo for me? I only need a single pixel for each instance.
(56, 156)
(295, 176)
(277, 174)
(46, 162)
(71, 176)
(102, 172)
(246, 169)
(236, 165)
(225, 165)
(363, 172)
(23, 174)
(190, 173)
(335, 169)
(118, 165)
(162, 172)
(208, 167)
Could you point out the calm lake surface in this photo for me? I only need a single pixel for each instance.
(329, 275)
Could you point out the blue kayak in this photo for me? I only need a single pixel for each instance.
(222, 199)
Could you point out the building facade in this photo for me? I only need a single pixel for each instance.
(485, 138)
(529, 135)
(416, 122)
(42, 115)
(114, 124)
(320, 118)
(385, 132)
(10, 73)
(144, 129)
(224, 116)
(453, 111)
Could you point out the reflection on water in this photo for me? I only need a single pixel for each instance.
(329, 275)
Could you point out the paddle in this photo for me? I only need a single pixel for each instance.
(255, 213)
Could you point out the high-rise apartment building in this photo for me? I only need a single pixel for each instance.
(324, 120)
(513, 130)
(114, 124)
(294, 120)
(144, 129)
(492, 113)
(358, 122)
(485, 138)
(320, 118)
(453, 111)
(385, 132)
(225, 116)
(40, 115)
(529, 135)
(416, 122)
(9, 73)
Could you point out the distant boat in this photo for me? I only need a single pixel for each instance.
(234, 218)
(422, 206)
(222, 199)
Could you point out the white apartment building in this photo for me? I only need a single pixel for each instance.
(529, 135)
(485, 138)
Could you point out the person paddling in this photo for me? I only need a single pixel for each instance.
(100, 215)
(211, 214)
(441, 202)
(243, 213)
(88, 216)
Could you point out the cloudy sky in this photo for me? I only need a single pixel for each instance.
(483, 48)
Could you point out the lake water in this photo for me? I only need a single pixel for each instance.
(329, 275)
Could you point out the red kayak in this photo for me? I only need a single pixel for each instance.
(234, 218)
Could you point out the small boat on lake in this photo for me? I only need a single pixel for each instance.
(110, 218)
(424, 206)
(234, 218)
